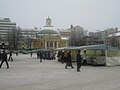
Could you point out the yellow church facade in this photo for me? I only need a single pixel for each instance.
(50, 42)
(49, 38)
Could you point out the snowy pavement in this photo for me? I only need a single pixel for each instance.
(27, 73)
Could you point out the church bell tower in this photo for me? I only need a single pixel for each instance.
(48, 22)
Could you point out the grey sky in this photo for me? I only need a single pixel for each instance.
(90, 14)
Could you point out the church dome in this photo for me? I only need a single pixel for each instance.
(48, 31)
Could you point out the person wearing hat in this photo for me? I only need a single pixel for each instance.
(78, 58)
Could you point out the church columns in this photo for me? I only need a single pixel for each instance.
(53, 45)
(57, 44)
(45, 45)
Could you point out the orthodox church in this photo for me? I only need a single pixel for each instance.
(49, 38)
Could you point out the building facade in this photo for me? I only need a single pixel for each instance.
(65, 33)
(8, 32)
(113, 39)
(99, 37)
(49, 38)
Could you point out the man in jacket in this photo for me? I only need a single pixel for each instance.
(4, 59)
(78, 58)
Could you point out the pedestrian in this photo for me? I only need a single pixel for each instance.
(45, 55)
(4, 59)
(10, 56)
(54, 55)
(78, 58)
(49, 55)
(31, 53)
(16, 53)
(41, 56)
(69, 61)
(65, 56)
(62, 59)
(59, 55)
(38, 54)
(84, 58)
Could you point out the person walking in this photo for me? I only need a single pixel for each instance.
(78, 58)
(16, 53)
(69, 62)
(84, 58)
(10, 56)
(31, 53)
(59, 55)
(62, 59)
(38, 54)
(4, 59)
(41, 56)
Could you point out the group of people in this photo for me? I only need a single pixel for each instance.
(46, 55)
(4, 58)
(78, 59)
(65, 56)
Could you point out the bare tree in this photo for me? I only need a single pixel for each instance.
(18, 38)
(114, 41)
(77, 36)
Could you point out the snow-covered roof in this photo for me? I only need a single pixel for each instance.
(64, 30)
(114, 34)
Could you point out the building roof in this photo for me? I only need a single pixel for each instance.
(48, 31)
(64, 30)
(114, 34)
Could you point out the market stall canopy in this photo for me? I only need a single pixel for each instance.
(99, 46)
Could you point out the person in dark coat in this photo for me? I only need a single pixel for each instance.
(38, 54)
(41, 56)
(4, 59)
(16, 53)
(69, 62)
(59, 55)
(78, 58)
(31, 53)
(10, 56)
(84, 58)
(62, 59)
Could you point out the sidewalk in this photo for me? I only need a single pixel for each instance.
(27, 73)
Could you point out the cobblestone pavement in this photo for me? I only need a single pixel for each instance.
(27, 73)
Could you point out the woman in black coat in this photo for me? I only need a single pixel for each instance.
(41, 56)
(69, 61)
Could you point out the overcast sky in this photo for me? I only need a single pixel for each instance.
(90, 14)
